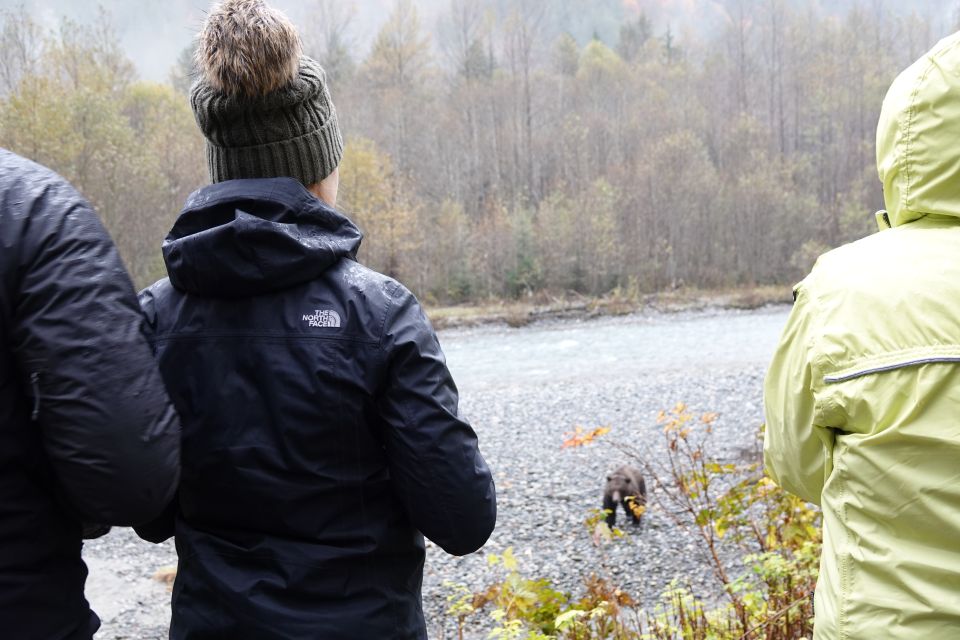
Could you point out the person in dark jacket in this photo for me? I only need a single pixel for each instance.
(87, 432)
(321, 432)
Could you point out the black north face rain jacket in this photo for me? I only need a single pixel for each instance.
(87, 432)
(321, 433)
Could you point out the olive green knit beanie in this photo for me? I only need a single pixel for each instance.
(262, 105)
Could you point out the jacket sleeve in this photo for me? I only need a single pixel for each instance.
(435, 463)
(107, 424)
(163, 527)
(797, 450)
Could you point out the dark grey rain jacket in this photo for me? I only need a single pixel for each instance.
(321, 433)
(87, 433)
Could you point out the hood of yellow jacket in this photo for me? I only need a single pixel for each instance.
(918, 138)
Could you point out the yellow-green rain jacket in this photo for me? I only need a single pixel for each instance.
(863, 396)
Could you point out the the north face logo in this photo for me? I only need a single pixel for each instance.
(326, 318)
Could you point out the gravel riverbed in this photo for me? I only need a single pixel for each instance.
(523, 390)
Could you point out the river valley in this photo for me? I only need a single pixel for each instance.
(523, 389)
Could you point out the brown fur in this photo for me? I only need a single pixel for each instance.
(624, 485)
(247, 47)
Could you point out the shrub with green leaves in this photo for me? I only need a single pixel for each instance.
(733, 510)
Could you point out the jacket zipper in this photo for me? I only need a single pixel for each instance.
(35, 383)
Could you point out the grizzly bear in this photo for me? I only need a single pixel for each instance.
(624, 486)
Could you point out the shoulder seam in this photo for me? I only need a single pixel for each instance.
(391, 299)
(268, 337)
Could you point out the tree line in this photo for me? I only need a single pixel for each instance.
(497, 156)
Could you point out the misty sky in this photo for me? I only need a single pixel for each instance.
(155, 31)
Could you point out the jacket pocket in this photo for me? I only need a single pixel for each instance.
(35, 396)
(36, 377)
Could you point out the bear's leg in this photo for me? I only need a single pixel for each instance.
(628, 506)
(636, 519)
(611, 507)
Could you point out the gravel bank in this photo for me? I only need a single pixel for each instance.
(544, 493)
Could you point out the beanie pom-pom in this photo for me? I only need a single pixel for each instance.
(248, 48)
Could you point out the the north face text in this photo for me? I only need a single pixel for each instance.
(325, 318)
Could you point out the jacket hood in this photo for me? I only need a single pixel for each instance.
(248, 237)
(918, 155)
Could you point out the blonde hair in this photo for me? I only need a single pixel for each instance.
(247, 47)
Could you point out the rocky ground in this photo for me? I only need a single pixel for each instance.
(544, 493)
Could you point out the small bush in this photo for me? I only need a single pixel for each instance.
(733, 510)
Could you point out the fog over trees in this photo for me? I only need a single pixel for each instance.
(153, 32)
(498, 148)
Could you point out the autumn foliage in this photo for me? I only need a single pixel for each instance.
(760, 544)
(494, 155)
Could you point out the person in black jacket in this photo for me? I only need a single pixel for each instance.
(321, 432)
(87, 432)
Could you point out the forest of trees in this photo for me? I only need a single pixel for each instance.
(496, 155)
